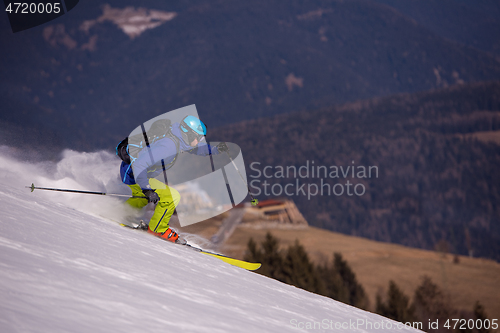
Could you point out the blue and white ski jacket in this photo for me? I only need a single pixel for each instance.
(149, 161)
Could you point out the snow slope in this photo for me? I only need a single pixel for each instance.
(64, 268)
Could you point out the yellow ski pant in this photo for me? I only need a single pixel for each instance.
(169, 199)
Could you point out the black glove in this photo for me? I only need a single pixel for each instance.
(222, 147)
(151, 195)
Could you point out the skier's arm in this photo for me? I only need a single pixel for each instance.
(126, 174)
(140, 167)
(205, 149)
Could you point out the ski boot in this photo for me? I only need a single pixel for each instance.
(169, 235)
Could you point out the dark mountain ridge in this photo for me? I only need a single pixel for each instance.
(91, 84)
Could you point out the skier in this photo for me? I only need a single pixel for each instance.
(186, 136)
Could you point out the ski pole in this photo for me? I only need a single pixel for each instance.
(254, 201)
(33, 187)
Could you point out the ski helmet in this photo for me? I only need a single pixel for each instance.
(194, 128)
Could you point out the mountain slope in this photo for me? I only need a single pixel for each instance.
(70, 270)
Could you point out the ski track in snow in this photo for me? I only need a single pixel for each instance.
(63, 268)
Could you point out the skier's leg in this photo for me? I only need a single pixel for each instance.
(169, 199)
(137, 202)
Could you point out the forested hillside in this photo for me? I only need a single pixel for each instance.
(438, 180)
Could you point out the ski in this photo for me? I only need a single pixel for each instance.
(234, 262)
(250, 266)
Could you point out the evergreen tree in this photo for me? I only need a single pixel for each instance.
(431, 303)
(299, 271)
(480, 313)
(355, 291)
(268, 255)
(253, 254)
(397, 306)
(333, 284)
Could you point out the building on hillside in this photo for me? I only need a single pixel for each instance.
(274, 212)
